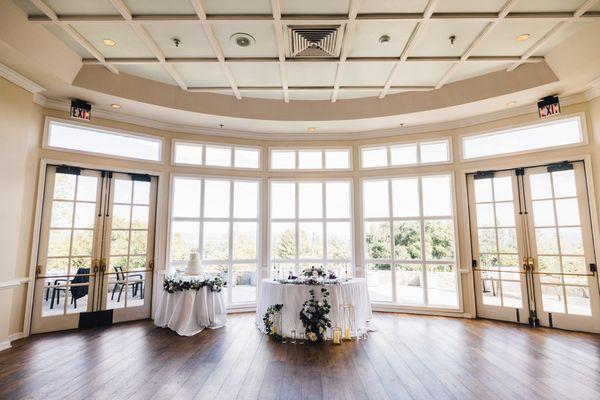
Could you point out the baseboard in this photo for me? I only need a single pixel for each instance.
(16, 336)
(5, 345)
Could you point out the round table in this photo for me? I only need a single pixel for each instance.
(292, 296)
(188, 312)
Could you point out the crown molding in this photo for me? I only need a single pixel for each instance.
(13, 76)
(63, 105)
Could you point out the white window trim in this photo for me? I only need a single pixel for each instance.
(512, 128)
(88, 126)
(231, 147)
(296, 150)
(418, 144)
(454, 217)
(230, 261)
(296, 220)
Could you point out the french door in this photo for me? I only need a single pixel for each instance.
(533, 252)
(96, 248)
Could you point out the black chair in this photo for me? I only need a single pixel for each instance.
(136, 284)
(77, 292)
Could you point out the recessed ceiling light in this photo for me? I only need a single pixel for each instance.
(384, 38)
(242, 39)
(311, 129)
(523, 37)
(511, 103)
(109, 42)
(115, 106)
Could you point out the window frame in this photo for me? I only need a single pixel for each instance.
(297, 150)
(98, 128)
(324, 220)
(231, 147)
(421, 218)
(418, 144)
(230, 262)
(516, 127)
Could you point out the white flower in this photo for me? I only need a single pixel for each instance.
(312, 336)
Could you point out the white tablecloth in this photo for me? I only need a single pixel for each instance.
(188, 312)
(292, 296)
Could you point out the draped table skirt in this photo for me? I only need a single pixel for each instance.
(292, 296)
(188, 312)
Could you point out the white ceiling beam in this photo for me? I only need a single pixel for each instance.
(302, 19)
(210, 35)
(43, 7)
(149, 42)
(271, 89)
(349, 60)
(409, 45)
(510, 4)
(556, 29)
(280, 43)
(346, 44)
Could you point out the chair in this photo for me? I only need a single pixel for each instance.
(55, 292)
(121, 283)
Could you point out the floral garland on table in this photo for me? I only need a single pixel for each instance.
(314, 316)
(172, 285)
(319, 271)
(267, 318)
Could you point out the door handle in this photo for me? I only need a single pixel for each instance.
(96, 263)
(38, 270)
(528, 263)
(150, 264)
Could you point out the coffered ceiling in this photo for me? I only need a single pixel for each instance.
(380, 46)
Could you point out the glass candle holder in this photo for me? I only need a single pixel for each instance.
(348, 321)
(293, 340)
(336, 335)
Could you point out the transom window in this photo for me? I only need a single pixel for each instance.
(405, 154)
(216, 155)
(311, 224)
(409, 240)
(310, 159)
(558, 133)
(220, 218)
(87, 139)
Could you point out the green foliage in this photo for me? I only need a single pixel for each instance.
(314, 315)
(268, 318)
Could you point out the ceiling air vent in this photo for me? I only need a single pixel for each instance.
(314, 41)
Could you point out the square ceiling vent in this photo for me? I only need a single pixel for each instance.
(314, 41)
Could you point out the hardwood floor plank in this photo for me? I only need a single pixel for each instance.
(408, 357)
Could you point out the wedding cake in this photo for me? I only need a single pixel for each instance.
(194, 266)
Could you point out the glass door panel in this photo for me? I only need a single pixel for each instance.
(68, 248)
(129, 246)
(497, 246)
(566, 290)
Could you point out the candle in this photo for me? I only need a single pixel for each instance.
(347, 334)
(336, 336)
(274, 330)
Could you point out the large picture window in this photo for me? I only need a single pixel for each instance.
(311, 224)
(409, 240)
(220, 218)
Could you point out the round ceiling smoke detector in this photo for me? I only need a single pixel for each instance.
(384, 38)
(242, 39)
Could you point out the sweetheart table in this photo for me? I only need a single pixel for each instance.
(292, 296)
(188, 312)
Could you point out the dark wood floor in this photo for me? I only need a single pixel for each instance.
(408, 357)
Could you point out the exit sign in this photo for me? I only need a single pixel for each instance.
(81, 110)
(548, 106)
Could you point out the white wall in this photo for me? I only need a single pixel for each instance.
(20, 137)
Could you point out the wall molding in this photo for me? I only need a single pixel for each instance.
(14, 282)
(63, 105)
(16, 336)
(13, 76)
(5, 345)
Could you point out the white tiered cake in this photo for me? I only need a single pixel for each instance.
(194, 266)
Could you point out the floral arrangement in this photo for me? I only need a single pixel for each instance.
(314, 316)
(172, 285)
(319, 271)
(268, 321)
